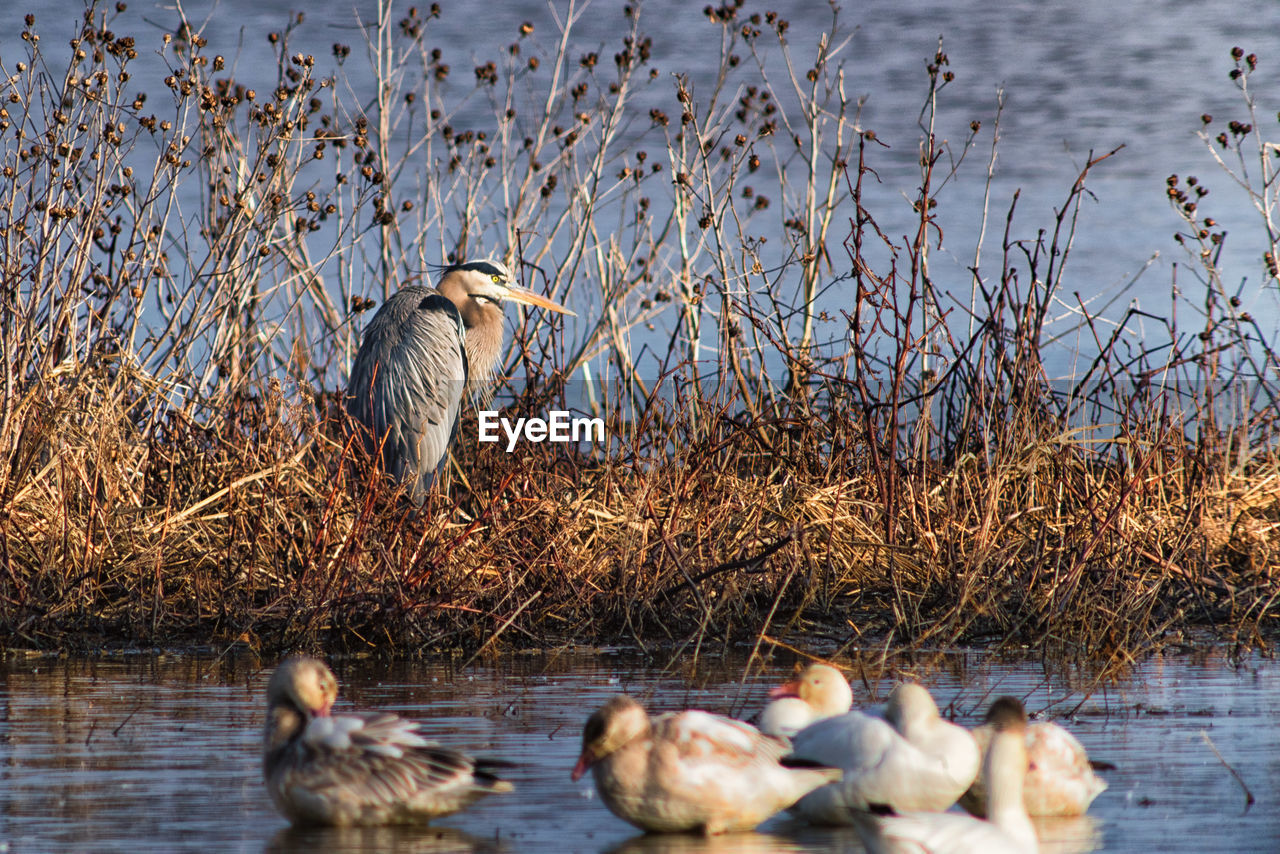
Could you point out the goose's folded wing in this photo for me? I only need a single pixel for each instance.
(381, 769)
(707, 738)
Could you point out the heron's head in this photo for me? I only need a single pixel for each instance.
(480, 288)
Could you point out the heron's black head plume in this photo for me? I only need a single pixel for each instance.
(485, 267)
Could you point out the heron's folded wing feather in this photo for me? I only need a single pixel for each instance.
(408, 379)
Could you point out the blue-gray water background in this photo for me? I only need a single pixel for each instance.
(1077, 77)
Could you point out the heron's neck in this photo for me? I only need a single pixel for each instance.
(484, 325)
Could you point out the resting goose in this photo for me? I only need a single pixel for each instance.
(689, 771)
(909, 759)
(820, 691)
(1060, 780)
(322, 769)
(1009, 830)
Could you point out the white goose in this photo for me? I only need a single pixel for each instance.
(820, 691)
(349, 770)
(1008, 832)
(689, 770)
(1060, 780)
(909, 759)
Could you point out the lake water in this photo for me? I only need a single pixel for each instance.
(161, 753)
(1078, 76)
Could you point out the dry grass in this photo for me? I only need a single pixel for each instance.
(273, 543)
(174, 473)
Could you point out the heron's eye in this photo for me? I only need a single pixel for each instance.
(496, 279)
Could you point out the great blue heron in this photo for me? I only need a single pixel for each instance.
(422, 352)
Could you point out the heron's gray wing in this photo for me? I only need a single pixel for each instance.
(407, 383)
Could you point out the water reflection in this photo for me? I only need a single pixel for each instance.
(690, 843)
(162, 754)
(391, 840)
(1067, 834)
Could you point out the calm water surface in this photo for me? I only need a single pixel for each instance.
(1078, 76)
(152, 754)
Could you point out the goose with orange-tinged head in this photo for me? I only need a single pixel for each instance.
(689, 771)
(819, 692)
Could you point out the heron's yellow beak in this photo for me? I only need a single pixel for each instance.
(530, 298)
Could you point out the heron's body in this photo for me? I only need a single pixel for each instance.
(407, 384)
(352, 770)
(421, 354)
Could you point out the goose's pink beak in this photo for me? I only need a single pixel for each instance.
(787, 689)
(585, 761)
